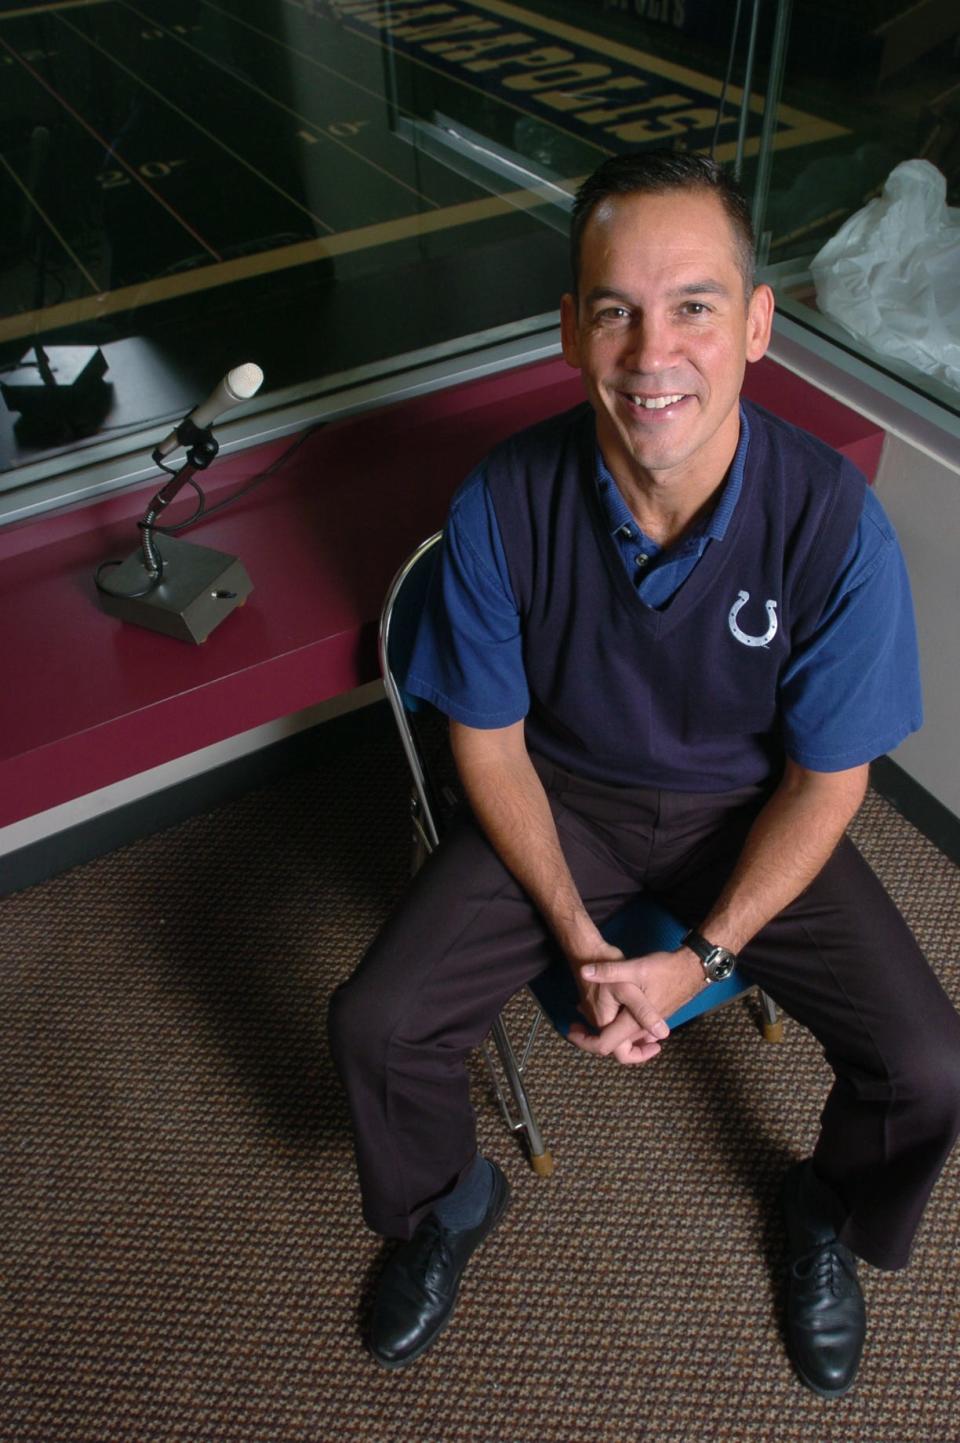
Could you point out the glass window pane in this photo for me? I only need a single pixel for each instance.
(326, 185)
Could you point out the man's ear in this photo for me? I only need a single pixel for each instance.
(570, 331)
(759, 322)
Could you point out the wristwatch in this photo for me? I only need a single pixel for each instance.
(717, 962)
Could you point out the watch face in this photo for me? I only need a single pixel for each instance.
(717, 962)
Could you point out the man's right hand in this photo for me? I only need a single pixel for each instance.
(601, 1006)
(597, 1003)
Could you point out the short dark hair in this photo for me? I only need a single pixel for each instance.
(648, 172)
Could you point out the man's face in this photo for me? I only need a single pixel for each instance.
(662, 331)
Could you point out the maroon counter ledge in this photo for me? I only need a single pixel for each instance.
(89, 701)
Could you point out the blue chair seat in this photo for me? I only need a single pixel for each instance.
(641, 925)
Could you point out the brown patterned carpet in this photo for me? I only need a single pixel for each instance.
(182, 1254)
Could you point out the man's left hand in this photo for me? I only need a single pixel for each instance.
(646, 989)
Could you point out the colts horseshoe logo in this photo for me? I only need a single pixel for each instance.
(742, 598)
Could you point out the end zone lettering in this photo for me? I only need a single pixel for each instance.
(599, 98)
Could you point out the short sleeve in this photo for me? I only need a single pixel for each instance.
(852, 691)
(467, 658)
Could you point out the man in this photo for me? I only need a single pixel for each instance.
(670, 633)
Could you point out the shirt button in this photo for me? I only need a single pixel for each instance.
(640, 559)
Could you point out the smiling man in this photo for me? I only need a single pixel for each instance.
(662, 344)
(670, 632)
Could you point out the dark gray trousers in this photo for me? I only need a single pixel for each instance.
(465, 937)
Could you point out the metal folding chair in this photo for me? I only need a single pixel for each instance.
(640, 926)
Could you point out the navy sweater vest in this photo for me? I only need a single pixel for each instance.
(683, 698)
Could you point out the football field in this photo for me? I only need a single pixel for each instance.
(151, 150)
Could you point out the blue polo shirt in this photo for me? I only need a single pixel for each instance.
(850, 694)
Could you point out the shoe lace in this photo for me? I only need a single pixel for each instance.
(433, 1250)
(830, 1267)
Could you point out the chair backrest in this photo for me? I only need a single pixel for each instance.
(398, 628)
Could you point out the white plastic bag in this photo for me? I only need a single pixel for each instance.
(891, 274)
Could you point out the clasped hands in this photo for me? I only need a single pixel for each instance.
(628, 1000)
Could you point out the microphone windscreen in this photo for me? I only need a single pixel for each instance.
(244, 381)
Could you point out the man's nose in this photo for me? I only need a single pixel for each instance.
(650, 345)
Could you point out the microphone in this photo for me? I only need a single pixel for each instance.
(238, 385)
(175, 587)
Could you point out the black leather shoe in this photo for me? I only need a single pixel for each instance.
(418, 1289)
(826, 1318)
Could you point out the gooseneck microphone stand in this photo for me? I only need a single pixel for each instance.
(189, 589)
(202, 447)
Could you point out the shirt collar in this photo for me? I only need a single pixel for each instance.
(618, 515)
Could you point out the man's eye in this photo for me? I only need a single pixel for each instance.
(611, 315)
(695, 308)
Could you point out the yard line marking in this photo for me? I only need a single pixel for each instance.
(49, 9)
(108, 148)
(32, 200)
(311, 60)
(339, 75)
(378, 95)
(272, 100)
(244, 267)
(197, 126)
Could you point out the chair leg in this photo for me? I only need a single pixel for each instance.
(526, 1123)
(421, 847)
(772, 1018)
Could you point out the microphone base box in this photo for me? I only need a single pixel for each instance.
(68, 378)
(199, 589)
